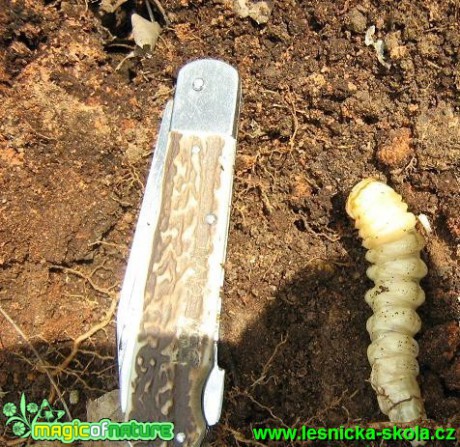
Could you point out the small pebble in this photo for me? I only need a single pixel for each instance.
(74, 397)
(128, 218)
(356, 21)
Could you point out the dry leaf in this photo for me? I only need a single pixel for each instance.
(145, 32)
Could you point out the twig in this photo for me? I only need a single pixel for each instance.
(120, 45)
(161, 9)
(291, 101)
(52, 381)
(149, 9)
(129, 56)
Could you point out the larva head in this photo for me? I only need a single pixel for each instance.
(358, 196)
(379, 213)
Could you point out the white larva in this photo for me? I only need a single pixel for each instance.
(394, 245)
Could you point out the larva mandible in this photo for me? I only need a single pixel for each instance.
(393, 243)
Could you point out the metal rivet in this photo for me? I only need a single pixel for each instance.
(211, 219)
(198, 84)
(180, 437)
(196, 149)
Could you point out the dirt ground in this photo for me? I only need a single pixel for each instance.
(319, 113)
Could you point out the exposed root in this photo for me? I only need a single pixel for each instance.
(88, 279)
(290, 99)
(262, 379)
(245, 393)
(241, 438)
(39, 358)
(77, 342)
(236, 393)
(63, 366)
(122, 248)
(132, 178)
(334, 238)
(334, 404)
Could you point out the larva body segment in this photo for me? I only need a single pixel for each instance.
(388, 231)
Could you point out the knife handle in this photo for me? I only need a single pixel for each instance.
(174, 352)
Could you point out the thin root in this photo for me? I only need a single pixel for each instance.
(42, 362)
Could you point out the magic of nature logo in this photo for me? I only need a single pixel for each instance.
(43, 423)
(22, 418)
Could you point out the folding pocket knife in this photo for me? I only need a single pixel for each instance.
(168, 316)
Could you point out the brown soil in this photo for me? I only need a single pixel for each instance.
(319, 113)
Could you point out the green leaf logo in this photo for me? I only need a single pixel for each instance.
(19, 428)
(22, 418)
(9, 409)
(32, 408)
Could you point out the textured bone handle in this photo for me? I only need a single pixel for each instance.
(174, 350)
